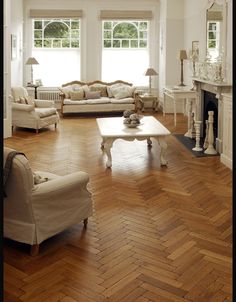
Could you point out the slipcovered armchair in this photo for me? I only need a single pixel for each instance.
(35, 212)
(28, 113)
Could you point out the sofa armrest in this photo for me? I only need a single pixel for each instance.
(57, 189)
(22, 107)
(44, 103)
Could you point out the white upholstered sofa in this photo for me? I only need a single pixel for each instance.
(97, 96)
(31, 113)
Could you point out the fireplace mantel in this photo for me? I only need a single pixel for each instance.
(218, 88)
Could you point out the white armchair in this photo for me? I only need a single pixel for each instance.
(35, 212)
(34, 114)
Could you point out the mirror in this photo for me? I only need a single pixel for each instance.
(215, 30)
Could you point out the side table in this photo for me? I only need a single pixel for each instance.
(35, 89)
(148, 98)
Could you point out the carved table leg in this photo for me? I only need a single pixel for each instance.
(149, 142)
(102, 144)
(190, 119)
(163, 146)
(107, 148)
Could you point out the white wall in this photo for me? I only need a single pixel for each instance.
(91, 39)
(17, 30)
(7, 70)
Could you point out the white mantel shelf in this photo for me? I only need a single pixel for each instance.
(221, 84)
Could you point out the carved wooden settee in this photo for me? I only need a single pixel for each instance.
(97, 96)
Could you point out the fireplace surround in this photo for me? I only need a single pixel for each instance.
(212, 92)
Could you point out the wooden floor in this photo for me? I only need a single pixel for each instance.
(156, 234)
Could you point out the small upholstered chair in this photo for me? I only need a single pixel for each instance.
(35, 212)
(33, 114)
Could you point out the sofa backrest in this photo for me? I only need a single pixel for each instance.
(96, 82)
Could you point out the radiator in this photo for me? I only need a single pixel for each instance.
(49, 93)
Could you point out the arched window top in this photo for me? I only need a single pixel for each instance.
(125, 34)
(125, 30)
(56, 29)
(56, 33)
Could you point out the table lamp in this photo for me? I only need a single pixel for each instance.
(182, 56)
(150, 72)
(31, 61)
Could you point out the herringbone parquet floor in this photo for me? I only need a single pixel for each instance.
(157, 234)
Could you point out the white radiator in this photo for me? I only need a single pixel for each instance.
(49, 93)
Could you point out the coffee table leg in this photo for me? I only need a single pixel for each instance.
(107, 144)
(149, 142)
(163, 146)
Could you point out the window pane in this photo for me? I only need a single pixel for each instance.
(107, 34)
(125, 43)
(212, 44)
(212, 35)
(107, 43)
(65, 43)
(74, 43)
(116, 43)
(75, 33)
(142, 43)
(107, 25)
(38, 25)
(143, 34)
(37, 34)
(143, 25)
(75, 24)
(134, 43)
(47, 43)
(38, 43)
(56, 43)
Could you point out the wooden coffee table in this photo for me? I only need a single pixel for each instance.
(112, 128)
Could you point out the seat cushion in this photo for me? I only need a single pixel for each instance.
(44, 112)
(122, 101)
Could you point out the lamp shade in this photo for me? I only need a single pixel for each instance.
(150, 72)
(183, 55)
(31, 61)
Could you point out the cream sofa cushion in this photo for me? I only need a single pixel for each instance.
(122, 101)
(77, 95)
(44, 112)
(121, 92)
(101, 88)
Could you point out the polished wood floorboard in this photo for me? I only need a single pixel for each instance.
(157, 233)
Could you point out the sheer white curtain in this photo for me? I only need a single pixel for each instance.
(125, 64)
(56, 66)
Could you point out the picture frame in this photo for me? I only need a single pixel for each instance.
(13, 47)
(195, 47)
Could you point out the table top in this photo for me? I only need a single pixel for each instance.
(114, 127)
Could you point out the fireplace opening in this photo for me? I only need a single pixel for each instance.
(210, 104)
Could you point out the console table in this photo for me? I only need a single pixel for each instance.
(176, 94)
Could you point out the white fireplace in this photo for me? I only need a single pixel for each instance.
(217, 89)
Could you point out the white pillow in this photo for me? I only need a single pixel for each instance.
(109, 89)
(122, 92)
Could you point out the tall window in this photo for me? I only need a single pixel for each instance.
(56, 46)
(213, 38)
(125, 52)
